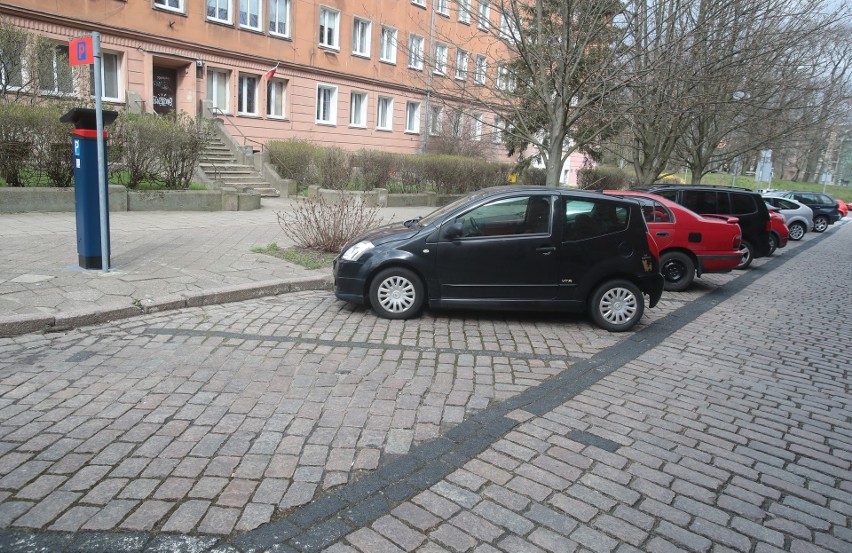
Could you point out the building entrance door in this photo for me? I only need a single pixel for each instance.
(165, 89)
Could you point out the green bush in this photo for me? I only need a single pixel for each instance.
(373, 168)
(602, 178)
(51, 156)
(294, 159)
(533, 176)
(333, 169)
(180, 144)
(132, 150)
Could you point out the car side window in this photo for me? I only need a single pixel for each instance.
(784, 204)
(742, 204)
(655, 212)
(668, 194)
(590, 218)
(825, 200)
(508, 216)
(700, 201)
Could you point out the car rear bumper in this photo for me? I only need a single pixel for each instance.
(653, 286)
(718, 263)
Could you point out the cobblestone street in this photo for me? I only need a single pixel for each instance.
(299, 423)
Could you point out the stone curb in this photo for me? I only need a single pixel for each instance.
(16, 325)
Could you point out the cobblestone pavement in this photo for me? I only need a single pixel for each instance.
(298, 423)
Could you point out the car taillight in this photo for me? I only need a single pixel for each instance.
(737, 241)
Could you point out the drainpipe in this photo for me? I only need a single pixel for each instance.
(426, 110)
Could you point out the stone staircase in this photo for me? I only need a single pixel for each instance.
(219, 164)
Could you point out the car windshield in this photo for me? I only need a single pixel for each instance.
(439, 213)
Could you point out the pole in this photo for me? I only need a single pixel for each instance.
(99, 125)
(427, 116)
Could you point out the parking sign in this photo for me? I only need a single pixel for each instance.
(81, 51)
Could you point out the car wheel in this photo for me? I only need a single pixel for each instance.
(396, 293)
(773, 243)
(678, 271)
(748, 255)
(797, 231)
(617, 305)
(820, 223)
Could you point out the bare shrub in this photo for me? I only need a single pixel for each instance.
(602, 178)
(327, 225)
(133, 149)
(533, 176)
(333, 169)
(180, 145)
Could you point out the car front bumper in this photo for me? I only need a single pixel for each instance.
(349, 281)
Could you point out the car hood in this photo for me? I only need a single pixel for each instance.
(387, 233)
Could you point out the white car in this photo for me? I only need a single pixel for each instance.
(798, 217)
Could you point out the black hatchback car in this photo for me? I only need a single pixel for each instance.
(510, 248)
(744, 204)
(825, 207)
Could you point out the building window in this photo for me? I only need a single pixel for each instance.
(326, 104)
(457, 124)
(419, 2)
(415, 51)
(441, 7)
(279, 17)
(479, 69)
(502, 76)
(412, 117)
(250, 14)
(484, 14)
(329, 28)
(219, 10)
(477, 126)
(388, 45)
(441, 52)
(358, 109)
(173, 5)
(464, 11)
(436, 115)
(247, 95)
(276, 98)
(217, 89)
(507, 27)
(384, 118)
(461, 64)
(497, 134)
(109, 74)
(361, 29)
(54, 72)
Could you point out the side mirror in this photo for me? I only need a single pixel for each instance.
(451, 232)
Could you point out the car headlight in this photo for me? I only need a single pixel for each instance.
(356, 251)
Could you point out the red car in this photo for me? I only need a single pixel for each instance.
(778, 232)
(689, 244)
(843, 208)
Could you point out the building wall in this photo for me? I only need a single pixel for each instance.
(145, 35)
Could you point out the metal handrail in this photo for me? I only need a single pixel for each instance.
(226, 119)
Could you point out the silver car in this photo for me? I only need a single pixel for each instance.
(798, 216)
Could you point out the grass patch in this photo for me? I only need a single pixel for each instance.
(309, 259)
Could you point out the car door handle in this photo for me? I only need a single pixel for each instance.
(546, 250)
(662, 234)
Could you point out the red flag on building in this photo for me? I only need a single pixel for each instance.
(271, 72)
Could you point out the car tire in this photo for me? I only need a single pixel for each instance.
(748, 255)
(773, 243)
(797, 231)
(617, 305)
(678, 271)
(397, 293)
(820, 223)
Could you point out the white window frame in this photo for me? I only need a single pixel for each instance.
(57, 66)
(276, 97)
(441, 53)
(502, 76)
(483, 15)
(461, 64)
(259, 14)
(497, 135)
(464, 11)
(333, 24)
(480, 69)
(218, 7)
(387, 43)
(362, 30)
(245, 96)
(329, 117)
(412, 117)
(421, 3)
(476, 126)
(117, 97)
(360, 112)
(170, 5)
(275, 8)
(415, 51)
(436, 117)
(442, 7)
(213, 93)
(384, 110)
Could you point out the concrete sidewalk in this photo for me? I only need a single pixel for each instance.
(160, 260)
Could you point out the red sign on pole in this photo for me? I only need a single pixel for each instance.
(81, 51)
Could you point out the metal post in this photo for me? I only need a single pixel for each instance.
(99, 125)
(427, 107)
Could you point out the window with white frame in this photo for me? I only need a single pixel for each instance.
(361, 30)
(441, 52)
(479, 69)
(464, 10)
(497, 133)
(279, 17)
(387, 46)
(54, 72)
(457, 124)
(506, 27)
(461, 64)
(109, 77)
(250, 14)
(217, 88)
(476, 123)
(441, 7)
(412, 117)
(415, 51)
(436, 115)
(247, 95)
(358, 109)
(329, 28)
(484, 14)
(419, 2)
(172, 5)
(219, 10)
(502, 76)
(326, 104)
(276, 98)
(11, 63)
(384, 113)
